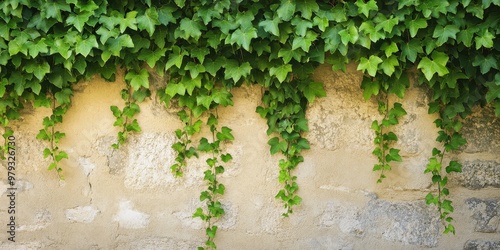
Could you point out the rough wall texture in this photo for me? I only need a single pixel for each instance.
(128, 199)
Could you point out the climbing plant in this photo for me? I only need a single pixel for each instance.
(206, 48)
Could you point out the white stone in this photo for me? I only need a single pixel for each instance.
(81, 214)
(87, 165)
(129, 218)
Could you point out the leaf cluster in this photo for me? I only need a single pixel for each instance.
(125, 117)
(384, 139)
(59, 105)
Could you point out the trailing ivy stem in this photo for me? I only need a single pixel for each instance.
(439, 183)
(382, 141)
(129, 101)
(52, 138)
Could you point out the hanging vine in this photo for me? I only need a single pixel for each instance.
(59, 105)
(215, 189)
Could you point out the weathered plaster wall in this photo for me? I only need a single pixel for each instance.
(128, 199)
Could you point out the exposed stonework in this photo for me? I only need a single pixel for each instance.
(149, 159)
(412, 223)
(482, 131)
(129, 218)
(482, 245)
(156, 243)
(486, 213)
(480, 174)
(81, 214)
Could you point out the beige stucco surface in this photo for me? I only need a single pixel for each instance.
(129, 199)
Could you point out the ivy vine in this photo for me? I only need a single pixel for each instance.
(207, 48)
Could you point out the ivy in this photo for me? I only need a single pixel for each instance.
(215, 189)
(49, 134)
(207, 48)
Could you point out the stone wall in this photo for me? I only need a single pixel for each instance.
(128, 198)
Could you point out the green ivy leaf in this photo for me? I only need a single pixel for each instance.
(191, 28)
(235, 71)
(393, 155)
(191, 83)
(304, 42)
(350, 34)
(38, 69)
(301, 26)
(222, 97)
(271, 26)
(194, 69)
(37, 48)
(369, 65)
(243, 38)
(148, 21)
(436, 65)
(387, 24)
(105, 34)
(213, 66)
(484, 40)
(415, 24)
(281, 72)
(365, 8)
(411, 50)
(389, 49)
(444, 33)
(368, 27)
(306, 8)
(485, 63)
(78, 20)
(175, 58)
(63, 96)
(138, 79)
(84, 47)
(493, 89)
(225, 134)
(389, 65)
(130, 21)
(165, 15)
(398, 87)
(465, 36)
(454, 166)
(312, 90)
(204, 100)
(175, 89)
(276, 145)
(61, 155)
(286, 10)
(151, 57)
(369, 88)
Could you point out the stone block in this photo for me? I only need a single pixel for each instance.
(482, 245)
(157, 243)
(486, 213)
(345, 216)
(41, 220)
(83, 214)
(411, 222)
(150, 156)
(480, 174)
(116, 160)
(482, 131)
(129, 218)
